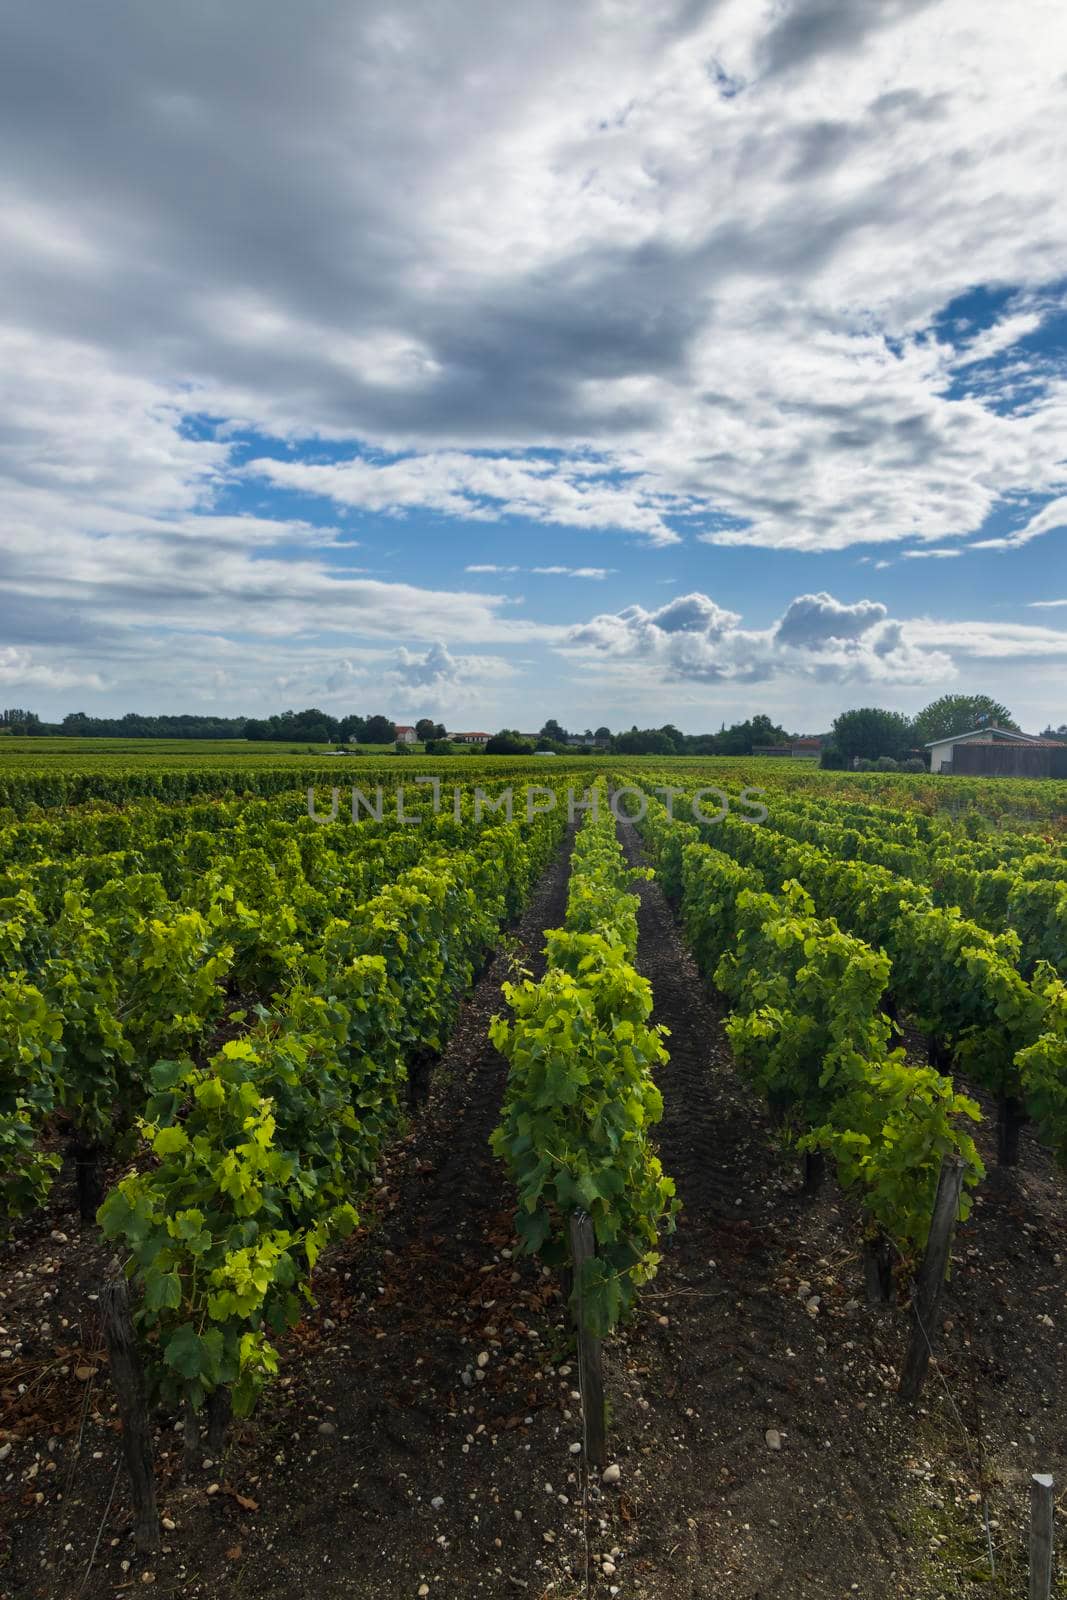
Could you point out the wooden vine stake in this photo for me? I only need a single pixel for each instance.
(926, 1296)
(1042, 1517)
(590, 1352)
(127, 1377)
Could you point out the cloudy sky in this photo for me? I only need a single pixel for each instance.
(592, 359)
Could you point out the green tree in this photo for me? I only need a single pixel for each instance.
(743, 737)
(960, 713)
(379, 730)
(17, 721)
(553, 730)
(306, 727)
(602, 734)
(508, 742)
(644, 742)
(870, 732)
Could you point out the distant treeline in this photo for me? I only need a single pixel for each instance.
(314, 726)
(306, 727)
(132, 726)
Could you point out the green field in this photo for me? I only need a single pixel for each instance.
(49, 772)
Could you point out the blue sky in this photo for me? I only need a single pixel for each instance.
(612, 364)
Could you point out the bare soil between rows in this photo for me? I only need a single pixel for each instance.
(389, 1459)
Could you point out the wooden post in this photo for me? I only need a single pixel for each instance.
(1011, 1114)
(814, 1173)
(219, 1411)
(926, 1295)
(590, 1355)
(89, 1179)
(192, 1448)
(1042, 1502)
(127, 1377)
(877, 1271)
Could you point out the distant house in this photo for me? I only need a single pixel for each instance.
(406, 735)
(469, 738)
(803, 749)
(942, 751)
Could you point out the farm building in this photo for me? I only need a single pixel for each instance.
(797, 749)
(468, 738)
(992, 752)
(405, 735)
(1038, 758)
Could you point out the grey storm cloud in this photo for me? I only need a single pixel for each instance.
(205, 187)
(222, 164)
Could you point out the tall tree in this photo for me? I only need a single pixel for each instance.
(308, 727)
(960, 713)
(379, 730)
(742, 738)
(870, 732)
(16, 720)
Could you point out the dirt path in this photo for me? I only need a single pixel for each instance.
(740, 1354)
(765, 1331)
(383, 1408)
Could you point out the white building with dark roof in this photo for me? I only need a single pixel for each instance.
(941, 749)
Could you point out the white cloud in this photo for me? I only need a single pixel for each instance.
(545, 572)
(817, 637)
(812, 620)
(20, 670)
(707, 294)
(663, 272)
(1052, 518)
(1000, 337)
(432, 680)
(485, 489)
(1050, 604)
(595, 573)
(991, 641)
